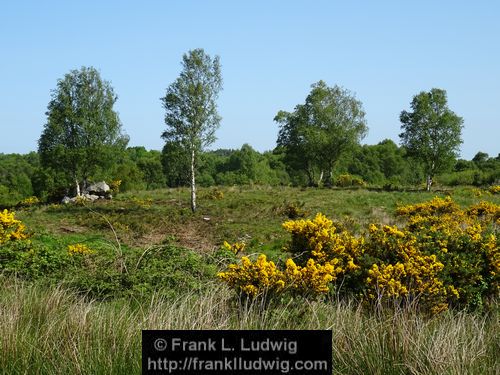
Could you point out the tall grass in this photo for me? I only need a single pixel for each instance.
(53, 331)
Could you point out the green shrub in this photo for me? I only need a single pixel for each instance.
(29, 261)
(214, 194)
(347, 180)
(292, 210)
(169, 269)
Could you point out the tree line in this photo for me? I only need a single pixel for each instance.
(381, 166)
(318, 143)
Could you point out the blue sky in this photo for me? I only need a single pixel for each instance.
(271, 52)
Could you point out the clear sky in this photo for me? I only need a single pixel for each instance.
(271, 52)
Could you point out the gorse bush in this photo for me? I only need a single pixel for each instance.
(234, 248)
(320, 240)
(346, 180)
(29, 201)
(465, 241)
(115, 186)
(401, 271)
(254, 278)
(214, 194)
(444, 256)
(10, 228)
(32, 261)
(79, 249)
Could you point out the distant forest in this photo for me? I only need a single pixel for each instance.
(318, 143)
(381, 166)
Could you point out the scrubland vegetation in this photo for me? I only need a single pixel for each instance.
(319, 233)
(80, 281)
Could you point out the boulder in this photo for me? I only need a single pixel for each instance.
(100, 188)
(90, 197)
(85, 197)
(93, 192)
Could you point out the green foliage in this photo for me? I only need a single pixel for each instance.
(247, 166)
(466, 177)
(214, 194)
(383, 165)
(175, 163)
(150, 166)
(319, 132)
(224, 167)
(29, 261)
(166, 269)
(347, 180)
(83, 132)
(16, 172)
(380, 164)
(170, 269)
(431, 132)
(191, 109)
(50, 185)
(482, 170)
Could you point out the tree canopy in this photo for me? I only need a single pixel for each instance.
(432, 133)
(83, 131)
(318, 132)
(191, 107)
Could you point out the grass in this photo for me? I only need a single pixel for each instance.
(50, 328)
(251, 214)
(54, 331)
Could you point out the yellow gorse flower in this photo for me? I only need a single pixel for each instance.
(79, 249)
(313, 277)
(320, 240)
(10, 228)
(494, 189)
(30, 201)
(429, 259)
(254, 278)
(236, 247)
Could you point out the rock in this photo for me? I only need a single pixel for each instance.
(90, 197)
(86, 197)
(100, 188)
(93, 192)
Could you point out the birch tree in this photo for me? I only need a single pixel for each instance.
(432, 133)
(83, 131)
(317, 133)
(191, 108)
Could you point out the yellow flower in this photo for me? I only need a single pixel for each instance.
(10, 228)
(236, 247)
(494, 189)
(79, 249)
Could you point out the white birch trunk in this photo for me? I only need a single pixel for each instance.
(429, 182)
(193, 184)
(77, 188)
